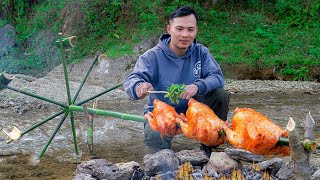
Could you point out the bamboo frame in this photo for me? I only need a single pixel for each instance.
(68, 109)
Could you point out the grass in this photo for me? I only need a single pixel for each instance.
(280, 39)
(254, 39)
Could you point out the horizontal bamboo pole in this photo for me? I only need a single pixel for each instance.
(123, 116)
(308, 144)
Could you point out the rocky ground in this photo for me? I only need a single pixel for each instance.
(53, 85)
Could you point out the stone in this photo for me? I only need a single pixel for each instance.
(83, 176)
(160, 162)
(195, 157)
(243, 155)
(220, 162)
(103, 169)
(316, 175)
(128, 168)
(88, 167)
(285, 172)
(7, 39)
(272, 165)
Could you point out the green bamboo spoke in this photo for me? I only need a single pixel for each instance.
(42, 122)
(37, 96)
(53, 134)
(69, 108)
(74, 133)
(64, 63)
(99, 94)
(85, 78)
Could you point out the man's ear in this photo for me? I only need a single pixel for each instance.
(168, 28)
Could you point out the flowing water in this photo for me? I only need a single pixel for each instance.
(117, 140)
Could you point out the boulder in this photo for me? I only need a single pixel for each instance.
(7, 39)
(161, 162)
(195, 157)
(220, 162)
(272, 165)
(103, 169)
(243, 155)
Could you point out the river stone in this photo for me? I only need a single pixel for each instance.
(89, 167)
(128, 168)
(83, 176)
(197, 176)
(316, 175)
(168, 175)
(103, 169)
(161, 162)
(272, 165)
(243, 155)
(257, 176)
(220, 162)
(195, 157)
(285, 172)
(7, 36)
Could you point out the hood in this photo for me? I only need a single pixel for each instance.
(163, 44)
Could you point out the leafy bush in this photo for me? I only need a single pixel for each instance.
(298, 12)
(281, 34)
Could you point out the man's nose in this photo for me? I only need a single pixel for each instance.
(184, 33)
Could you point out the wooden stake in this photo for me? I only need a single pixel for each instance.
(299, 157)
(309, 127)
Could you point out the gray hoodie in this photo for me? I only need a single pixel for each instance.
(162, 67)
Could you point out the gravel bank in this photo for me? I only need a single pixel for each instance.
(53, 84)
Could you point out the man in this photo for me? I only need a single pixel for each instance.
(178, 59)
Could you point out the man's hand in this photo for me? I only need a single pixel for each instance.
(143, 88)
(190, 91)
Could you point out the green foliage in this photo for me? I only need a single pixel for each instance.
(37, 27)
(175, 92)
(3, 22)
(298, 12)
(301, 74)
(278, 33)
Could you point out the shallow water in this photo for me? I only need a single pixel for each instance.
(119, 140)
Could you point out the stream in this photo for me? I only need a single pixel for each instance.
(118, 140)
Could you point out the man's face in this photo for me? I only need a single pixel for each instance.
(183, 30)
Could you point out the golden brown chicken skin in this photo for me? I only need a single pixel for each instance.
(163, 119)
(202, 124)
(256, 133)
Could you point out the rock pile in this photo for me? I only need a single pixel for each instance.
(166, 164)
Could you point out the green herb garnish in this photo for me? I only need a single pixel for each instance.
(175, 91)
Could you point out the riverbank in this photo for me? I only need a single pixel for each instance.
(276, 99)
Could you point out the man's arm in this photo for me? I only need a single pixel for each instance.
(136, 83)
(212, 77)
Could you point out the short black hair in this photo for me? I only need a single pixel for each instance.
(183, 11)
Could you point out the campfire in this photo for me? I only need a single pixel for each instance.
(247, 159)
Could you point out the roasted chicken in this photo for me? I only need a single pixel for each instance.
(256, 133)
(202, 124)
(163, 119)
